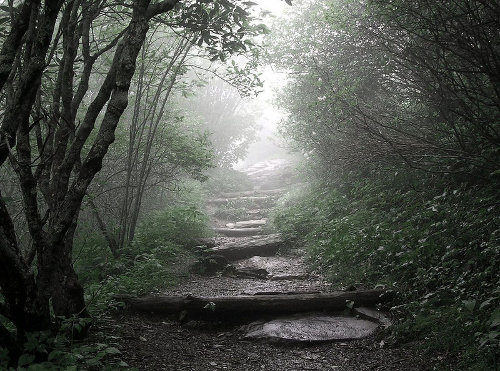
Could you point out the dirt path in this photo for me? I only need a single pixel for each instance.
(152, 342)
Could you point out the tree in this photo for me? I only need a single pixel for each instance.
(396, 84)
(56, 131)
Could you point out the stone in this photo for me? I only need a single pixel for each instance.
(265, 245)
(253, 193)
(248, 224)
(238, 232)
(311, 328)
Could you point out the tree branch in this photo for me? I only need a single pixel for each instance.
(159, 8)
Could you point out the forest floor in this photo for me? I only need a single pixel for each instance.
(154, 342)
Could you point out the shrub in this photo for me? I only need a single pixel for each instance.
(437, 242)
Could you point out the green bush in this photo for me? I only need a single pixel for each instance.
(222, 180)
(437, 243)
(163, 239)
(180, 224)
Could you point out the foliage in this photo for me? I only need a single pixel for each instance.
(436, 242)
(226, 180)
(395, 105)
(393, 83)
(43, 350)
(164, 239)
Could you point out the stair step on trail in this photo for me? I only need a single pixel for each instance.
(265, 245)
(255, 192)
(251, 200)
(248, 223)
(238, 232)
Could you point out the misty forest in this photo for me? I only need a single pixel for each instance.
(249, 185)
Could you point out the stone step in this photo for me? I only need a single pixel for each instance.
(278, 268)
(248, 223)
(265, 245)
(238, 232)
(249, 200)
(256, 192)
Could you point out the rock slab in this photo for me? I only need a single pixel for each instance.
(266, 245)
(311, 328)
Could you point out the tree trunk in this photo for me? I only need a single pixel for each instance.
(113, 245)
(57, 280)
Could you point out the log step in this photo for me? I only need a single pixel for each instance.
(209, 307)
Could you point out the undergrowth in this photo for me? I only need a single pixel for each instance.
(222, 180)
(163, 240)
(436, 243)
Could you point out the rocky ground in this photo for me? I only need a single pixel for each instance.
(154, 342)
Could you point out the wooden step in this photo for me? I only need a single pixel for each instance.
(208, 307)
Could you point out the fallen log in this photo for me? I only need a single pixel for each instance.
(238, 232)
(250, 305)
(266, 245)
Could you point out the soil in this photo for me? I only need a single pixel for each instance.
(154, 343)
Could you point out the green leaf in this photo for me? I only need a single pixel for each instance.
(493, 335)
(25, 359)
(469, 304)
(112, 350)
(486, 303)
(55, 354)
(495, 318)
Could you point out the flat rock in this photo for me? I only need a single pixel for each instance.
(248, 224)
(254, 192)
(245, 199)
(238, 232)
(265, 245)
(288, 277)
(311, 328)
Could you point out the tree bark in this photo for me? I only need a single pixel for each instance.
(113, 245)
